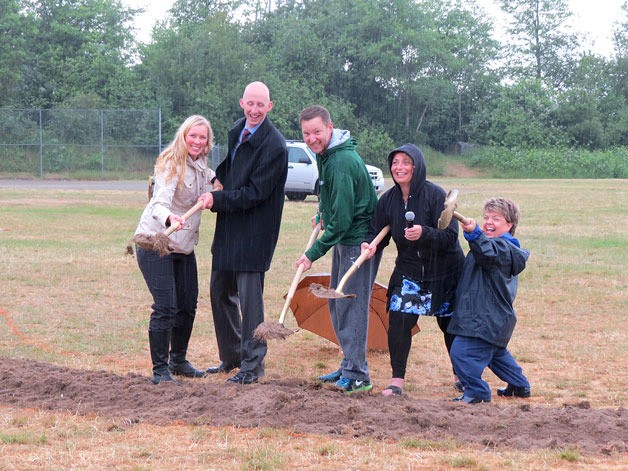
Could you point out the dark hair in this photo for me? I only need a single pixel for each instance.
(506, 208)
(316, 111)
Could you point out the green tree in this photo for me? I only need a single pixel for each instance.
(14, 29)
(540, 46)
(467, 75)
(295, 56)
(199, 67)
(410, 69)
(593, 108)
(521, 115)
(78, 47)
(187, 13)
(581, 105)
(615, 104)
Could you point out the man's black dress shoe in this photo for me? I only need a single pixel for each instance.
(222, 368)
(510, 390)
(243, 378)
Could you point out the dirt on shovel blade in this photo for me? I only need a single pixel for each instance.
(320, 291)
(270, 331)
(160, 243)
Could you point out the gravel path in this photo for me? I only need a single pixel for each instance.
(120, 185)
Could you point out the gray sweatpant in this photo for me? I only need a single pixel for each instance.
(349, 316)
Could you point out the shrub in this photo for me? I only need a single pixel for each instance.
(552, 162)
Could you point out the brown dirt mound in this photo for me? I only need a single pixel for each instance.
(307, 408)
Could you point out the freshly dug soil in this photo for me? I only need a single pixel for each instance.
(306, 407)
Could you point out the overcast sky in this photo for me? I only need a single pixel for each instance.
(594, 19)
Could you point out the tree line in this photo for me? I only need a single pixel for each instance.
(391, 71)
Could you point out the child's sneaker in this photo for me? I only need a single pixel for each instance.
(356, 385)
(330, 377)
(343, 384)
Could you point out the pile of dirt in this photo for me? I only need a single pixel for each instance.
(306, 407)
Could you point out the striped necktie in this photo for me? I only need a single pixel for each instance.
(245, 136)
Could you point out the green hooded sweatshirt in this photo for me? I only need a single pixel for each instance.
(347, 196)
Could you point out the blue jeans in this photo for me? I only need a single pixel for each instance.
(350, 316)
(470, 356)
(173, 282)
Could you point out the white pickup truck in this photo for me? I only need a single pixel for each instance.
(303, 173)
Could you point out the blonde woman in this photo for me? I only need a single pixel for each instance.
(181, 177)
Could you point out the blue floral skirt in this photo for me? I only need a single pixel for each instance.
(410, 298)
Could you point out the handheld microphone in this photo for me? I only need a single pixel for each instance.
(409, 219)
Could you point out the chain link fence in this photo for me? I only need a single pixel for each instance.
(82, 144)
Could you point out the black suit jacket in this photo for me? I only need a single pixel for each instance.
(250, 206)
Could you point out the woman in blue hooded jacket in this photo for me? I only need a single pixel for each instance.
(429, 260)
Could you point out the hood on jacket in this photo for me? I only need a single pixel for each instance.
(519, 256)
(419, 174)
(338, 136)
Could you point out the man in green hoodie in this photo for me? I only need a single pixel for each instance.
(347, 202)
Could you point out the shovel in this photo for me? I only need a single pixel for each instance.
(329, 293)
(160, 242)
(266, 330)
(451, 203)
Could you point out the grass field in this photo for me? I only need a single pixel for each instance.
(71, 297)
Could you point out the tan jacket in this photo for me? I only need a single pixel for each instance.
(169, 199)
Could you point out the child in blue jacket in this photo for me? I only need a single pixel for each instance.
(484, 318)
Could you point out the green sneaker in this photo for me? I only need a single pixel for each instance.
(355, 386)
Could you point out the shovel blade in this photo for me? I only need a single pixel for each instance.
(320, 291)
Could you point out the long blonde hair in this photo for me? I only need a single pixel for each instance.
(177, 151)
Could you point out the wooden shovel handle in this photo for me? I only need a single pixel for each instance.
(174, 226)
(297, 275)
(461, 218)
(360, 260)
